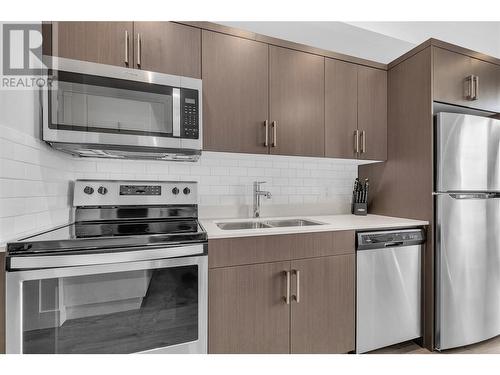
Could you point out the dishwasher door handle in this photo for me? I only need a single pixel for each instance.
(394, 244)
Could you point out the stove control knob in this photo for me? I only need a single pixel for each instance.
(88, 190)
(175, 191)
(186, 190)
(102, 190)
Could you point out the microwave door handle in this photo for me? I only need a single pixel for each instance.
(176, 112)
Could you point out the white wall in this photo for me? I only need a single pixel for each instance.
(479, 36)
(380, 41)
(34, 179)
(341, 37)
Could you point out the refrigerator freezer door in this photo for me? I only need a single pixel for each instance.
(468, 269)
(467, 153)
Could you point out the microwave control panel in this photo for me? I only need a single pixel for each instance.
(189, 114)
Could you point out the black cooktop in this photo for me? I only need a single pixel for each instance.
(110, 236)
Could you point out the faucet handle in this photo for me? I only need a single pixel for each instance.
(257, 183)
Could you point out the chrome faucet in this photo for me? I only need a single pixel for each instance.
(257, 193)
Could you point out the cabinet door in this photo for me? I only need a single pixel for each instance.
(450, 80)
(246, 310)
(297, 102)
(372, 113)
(450, 72)
(488, 85)
(341, 108)
(167, 47)
(235, 93)
(100, 42)
(322, 321)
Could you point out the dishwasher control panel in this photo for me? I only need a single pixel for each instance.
(394, 238)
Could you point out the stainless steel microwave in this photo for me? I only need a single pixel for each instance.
(98, 110)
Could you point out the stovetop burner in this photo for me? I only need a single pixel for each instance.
(126, 220)
(114, 229)
(103, 237)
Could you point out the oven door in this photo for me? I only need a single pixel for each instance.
(96, 104)
(151, 306)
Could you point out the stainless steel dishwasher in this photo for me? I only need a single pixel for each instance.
(388, 287)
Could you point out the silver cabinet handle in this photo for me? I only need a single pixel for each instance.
(296, 297)
(471, 87)
(356, 141)
(126, 47)
(286, 298)
(476, 87)
(363, 142)
(266, 126)
(275, 141)
(138, 49)
(468, 93)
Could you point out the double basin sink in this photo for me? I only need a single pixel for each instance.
(267, 224)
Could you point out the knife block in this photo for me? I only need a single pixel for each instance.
(359, 209)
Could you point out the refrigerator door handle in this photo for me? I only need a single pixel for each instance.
(474, 195)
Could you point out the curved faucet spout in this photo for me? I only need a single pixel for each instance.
(257, 193)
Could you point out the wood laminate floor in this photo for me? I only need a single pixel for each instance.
(491, 346)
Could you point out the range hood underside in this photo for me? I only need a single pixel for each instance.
(127, 152)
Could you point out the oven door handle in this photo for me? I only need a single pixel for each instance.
(75, 260)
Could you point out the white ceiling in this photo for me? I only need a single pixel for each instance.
(380, 41)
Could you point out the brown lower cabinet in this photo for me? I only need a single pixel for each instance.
(253, 309)
(322, 321)
(246, 310)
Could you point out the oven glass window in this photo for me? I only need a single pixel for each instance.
(108, 105)
(125, 312)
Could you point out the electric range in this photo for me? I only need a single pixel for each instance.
(129, 275)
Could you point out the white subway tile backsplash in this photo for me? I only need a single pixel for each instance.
(12, 169)
(199, 170)
(219, 171)
(246, 163)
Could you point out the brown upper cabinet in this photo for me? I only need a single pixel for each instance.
(260, 98)
(372, 113)
(167, 47)
(100, 42)
(355, 111)
(465, 81)
(163, 47)
(341, 109)
(235, 94)
(297, 102)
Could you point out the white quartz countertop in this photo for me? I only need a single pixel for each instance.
(330, 223)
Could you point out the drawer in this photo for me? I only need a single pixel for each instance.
(260, 249)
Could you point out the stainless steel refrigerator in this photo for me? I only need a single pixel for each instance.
(467, 194)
